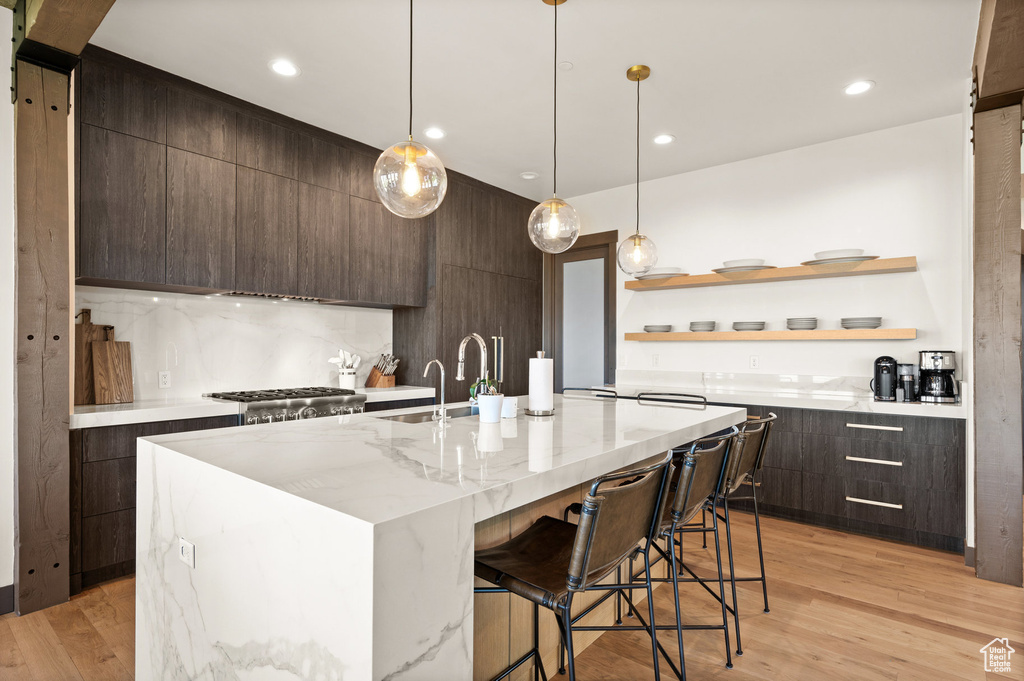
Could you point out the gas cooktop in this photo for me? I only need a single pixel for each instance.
(281, 394)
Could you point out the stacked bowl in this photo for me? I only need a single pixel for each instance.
(702, 326)
(861, 322)
(748, 326)
(801, 323)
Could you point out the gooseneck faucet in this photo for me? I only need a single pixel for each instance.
(460, 375)
(442, 413)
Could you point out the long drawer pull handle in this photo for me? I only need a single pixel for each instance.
(897, 429)
(869, 502)
(879, 461)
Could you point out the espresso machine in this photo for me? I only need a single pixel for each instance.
(938, 377)
(884, 382)
(907, 381)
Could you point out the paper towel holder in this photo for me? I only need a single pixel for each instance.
(540, 412)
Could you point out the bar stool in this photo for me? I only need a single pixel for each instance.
(756, 431)
(553, 560)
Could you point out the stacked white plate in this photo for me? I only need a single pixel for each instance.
(658, 328)
(748, 326)
(662, 272)
(861, 322)
(702, 326)
(801, 323)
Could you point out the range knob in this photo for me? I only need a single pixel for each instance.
(252, 420)
(308, 413)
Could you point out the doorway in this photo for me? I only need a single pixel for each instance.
(579, 312)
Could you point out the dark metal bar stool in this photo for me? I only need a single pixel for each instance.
(553, 560)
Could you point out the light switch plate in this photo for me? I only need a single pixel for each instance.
(187, 552)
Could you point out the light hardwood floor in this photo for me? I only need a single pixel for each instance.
(842, 607)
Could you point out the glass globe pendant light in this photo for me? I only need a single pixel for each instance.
(409, 178)
(637, 254)
(554, 225)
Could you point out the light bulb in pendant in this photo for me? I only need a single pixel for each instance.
(636, 255)
(410, 180)
(554, 226)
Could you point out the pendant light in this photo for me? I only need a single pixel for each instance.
(409, 178)
(554, 225)
(637, 254)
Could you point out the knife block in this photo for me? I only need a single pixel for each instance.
(378, 380)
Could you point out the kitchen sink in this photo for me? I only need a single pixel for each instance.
(423, 416)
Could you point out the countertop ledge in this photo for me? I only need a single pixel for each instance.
(174, 409)
(804, 400)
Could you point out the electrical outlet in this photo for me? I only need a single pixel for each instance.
(755, 362)
(187, 552)
(654, 361)
(164, 380)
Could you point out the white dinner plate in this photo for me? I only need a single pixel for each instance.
(747, 268)
(839, 253)
(826, 261)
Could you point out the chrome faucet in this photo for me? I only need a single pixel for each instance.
(442, 413)
(460, 375)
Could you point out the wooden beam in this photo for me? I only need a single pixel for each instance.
(43, 350)
(998, 52)
(999, 521)
(64, 24)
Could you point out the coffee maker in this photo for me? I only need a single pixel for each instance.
(938, 376)
(907, 381)
(884, 382)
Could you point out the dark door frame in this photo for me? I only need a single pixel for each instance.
(588, 246)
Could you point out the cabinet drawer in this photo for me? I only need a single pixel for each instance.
(108, 539)
(886, 427)
(108, 486)
(908, 464)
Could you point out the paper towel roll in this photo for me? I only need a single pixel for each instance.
(542, 384)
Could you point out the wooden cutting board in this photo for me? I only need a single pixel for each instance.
(86, 333)
(112, 370)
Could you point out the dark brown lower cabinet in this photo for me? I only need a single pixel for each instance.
(399, 404)
(103, 495)
(892, 476)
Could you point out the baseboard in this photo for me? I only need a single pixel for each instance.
(969, 556)
(6, 599)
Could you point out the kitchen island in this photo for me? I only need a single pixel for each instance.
(342, 548)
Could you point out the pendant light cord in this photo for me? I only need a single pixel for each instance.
(638, 156)
(554, 121)
(410, 69)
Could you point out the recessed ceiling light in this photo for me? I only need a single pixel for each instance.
(284, 67)
(664, 139)
(434, 133)
(565, 66)
(529, 175)
(859, 87)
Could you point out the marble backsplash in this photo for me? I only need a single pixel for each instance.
(779, 384)
(215, 343)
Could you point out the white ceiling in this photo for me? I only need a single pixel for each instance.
(732, 79)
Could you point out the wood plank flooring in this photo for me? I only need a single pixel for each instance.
(842, 607)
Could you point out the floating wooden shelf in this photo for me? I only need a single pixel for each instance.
(815, 334)
(842, 269)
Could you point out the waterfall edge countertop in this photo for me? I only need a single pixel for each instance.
(344, 545)
(173, 409)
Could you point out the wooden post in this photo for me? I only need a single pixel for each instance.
(43, 292)
(999, 534)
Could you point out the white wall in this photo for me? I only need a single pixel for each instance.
(895, 192)
(215, 343)
(7, 260)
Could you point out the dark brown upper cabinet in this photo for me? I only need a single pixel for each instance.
(323, 243)
(457, 229)
(200, 221)
(122, 207)
(200, 125)
(515, 255)
(268, 147)
(410, 250)
(266, 237)
(361, 176)
(120, 100)
(369, 262)
(323, 164)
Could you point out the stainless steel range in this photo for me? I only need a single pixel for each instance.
(294, 404)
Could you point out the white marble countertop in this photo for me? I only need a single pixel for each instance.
(807, 399)
(173, 409)
(374, 469)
